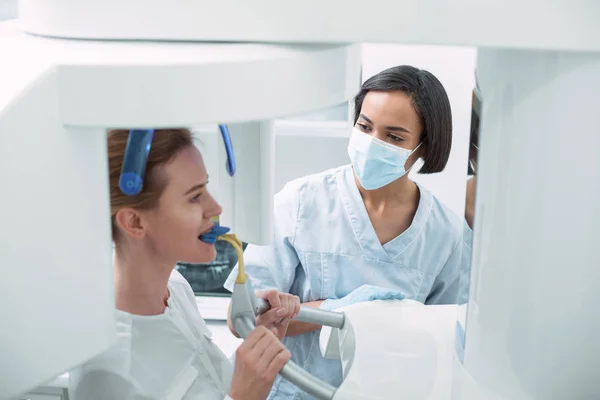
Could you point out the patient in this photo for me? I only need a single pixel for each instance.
(163, 347)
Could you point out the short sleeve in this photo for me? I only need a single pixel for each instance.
(274, 266)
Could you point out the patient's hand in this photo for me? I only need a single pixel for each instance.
(284, 307)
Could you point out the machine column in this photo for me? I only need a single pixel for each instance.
(533, 317)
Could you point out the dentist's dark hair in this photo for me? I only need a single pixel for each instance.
(431, 103)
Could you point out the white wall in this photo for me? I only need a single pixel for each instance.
(455, 68)
(8, 9)
(304, 148)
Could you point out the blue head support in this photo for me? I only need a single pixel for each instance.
(228, 149)
(135, 160)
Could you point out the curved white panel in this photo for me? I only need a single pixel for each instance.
(131, 84)
(536, 24)
(394, 349)
(56, 295)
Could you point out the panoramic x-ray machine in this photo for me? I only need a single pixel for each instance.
(70, 69)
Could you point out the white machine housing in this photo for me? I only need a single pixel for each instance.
(531, 318)
(559, 25)
(410, 356)
(57, 99)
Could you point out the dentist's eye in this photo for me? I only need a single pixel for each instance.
(196, 197)
(395, 138)
(364, 128)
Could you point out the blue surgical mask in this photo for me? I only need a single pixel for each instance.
(376, 163)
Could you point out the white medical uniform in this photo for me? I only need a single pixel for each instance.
(168, 357)
(325, 247)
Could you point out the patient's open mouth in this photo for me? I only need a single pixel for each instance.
(205, 231)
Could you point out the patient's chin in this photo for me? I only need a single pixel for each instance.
(205, 254)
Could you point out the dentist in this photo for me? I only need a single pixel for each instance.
(365, 231)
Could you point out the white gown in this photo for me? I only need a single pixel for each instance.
(167, 357)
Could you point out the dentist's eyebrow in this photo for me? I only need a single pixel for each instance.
(389, 128)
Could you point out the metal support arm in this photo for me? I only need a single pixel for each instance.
(244, 309)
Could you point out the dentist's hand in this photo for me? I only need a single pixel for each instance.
(258, 360)
(284, 307)
(362, 294)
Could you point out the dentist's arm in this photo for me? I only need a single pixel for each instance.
(362, 294)
(294, 328)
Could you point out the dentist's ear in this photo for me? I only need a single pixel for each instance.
(414, 157)
(421, 151)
